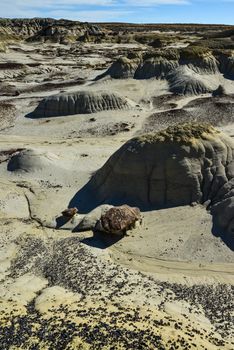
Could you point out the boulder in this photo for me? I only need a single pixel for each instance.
(118, 220)
(89, 221)
(69, 212)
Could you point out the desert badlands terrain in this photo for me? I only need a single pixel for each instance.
(95, 116)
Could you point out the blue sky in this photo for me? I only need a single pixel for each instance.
(134, 11)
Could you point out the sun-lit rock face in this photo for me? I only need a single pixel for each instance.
(184, 68)
(123, 68)
(82, 102)
(185, 81)
(30, 160)
(183, 164)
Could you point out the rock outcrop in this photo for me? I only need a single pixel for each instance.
(184, 69)
(199, 59)
(49, 29)
(69, 212)
(184, 81)
(81, 102)
(155, 67)
(227, 65)
(123, 68)
(90, 220)
(223, 210)
(181, 165)
(29, 160)
(118, 220)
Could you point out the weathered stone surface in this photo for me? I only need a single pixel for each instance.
(155, 68)
(81, 102)
(184, 81)
(118, 220)
(219, 92)
(178, 166)
(183, 68)
(89, 221)
(123, 68)
(70, 212)
(223, 212)
(29, 160)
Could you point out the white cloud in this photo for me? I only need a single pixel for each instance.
(86, 10)
(157, 2)
(90, 16)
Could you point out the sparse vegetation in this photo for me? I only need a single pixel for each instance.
(180, 133)
(194, 52)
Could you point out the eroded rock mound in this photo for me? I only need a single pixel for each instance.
(184, 81)
(82, 102)
(199, 59)
(90, 220)
(155, 67)
(123, 68)
(223, 209)
(185, 69)
(29, 160)
(118, 220)
(181, 165)
(227, 66)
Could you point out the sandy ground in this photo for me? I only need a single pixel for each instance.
(168, 284)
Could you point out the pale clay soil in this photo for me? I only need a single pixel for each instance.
(172, 246)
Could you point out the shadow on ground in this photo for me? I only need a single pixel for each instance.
(227, 239)
(101, 240)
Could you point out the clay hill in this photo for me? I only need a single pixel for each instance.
(116, 185)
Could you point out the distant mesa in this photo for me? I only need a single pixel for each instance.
(82, 102)
(29, 160)
(184, 164)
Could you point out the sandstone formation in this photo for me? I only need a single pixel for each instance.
(181, 165)
(81, 102)
(118, 220)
